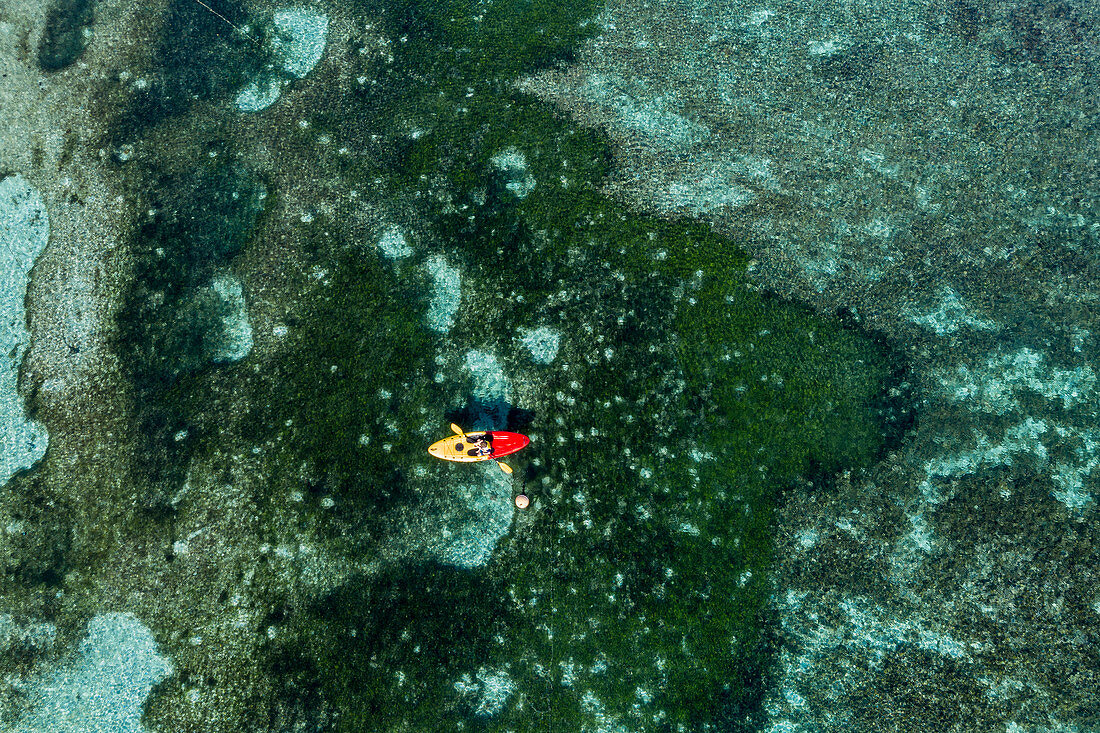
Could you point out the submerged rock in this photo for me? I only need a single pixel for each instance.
(24, 232)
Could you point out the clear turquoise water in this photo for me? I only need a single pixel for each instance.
(679, 408)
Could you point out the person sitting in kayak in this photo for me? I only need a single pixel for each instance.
(481, 445)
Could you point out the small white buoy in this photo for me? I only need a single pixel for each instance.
(522, 502)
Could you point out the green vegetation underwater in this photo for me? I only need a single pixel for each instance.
(312, 296)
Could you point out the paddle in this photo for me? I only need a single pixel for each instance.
(503, 466)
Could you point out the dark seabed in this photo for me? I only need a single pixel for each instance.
(795, 301)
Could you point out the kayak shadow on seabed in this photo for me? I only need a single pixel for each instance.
(493, 414)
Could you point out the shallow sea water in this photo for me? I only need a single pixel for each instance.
(341, 227)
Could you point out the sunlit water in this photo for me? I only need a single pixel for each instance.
(345, 229)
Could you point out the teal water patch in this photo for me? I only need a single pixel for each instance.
(393, 244)
(104, 687)
(299, 39)
(542, 343)
(446, 293)
(234, 333)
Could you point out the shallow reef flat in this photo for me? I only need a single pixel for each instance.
(926, 166)
(799, 330)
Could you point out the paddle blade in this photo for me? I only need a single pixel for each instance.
(504, 467)
(456, 430)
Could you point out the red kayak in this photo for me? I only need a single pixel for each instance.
(463, 447)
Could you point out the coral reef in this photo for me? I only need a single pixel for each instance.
(247, 327)
(912, 165)
(24, 231)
